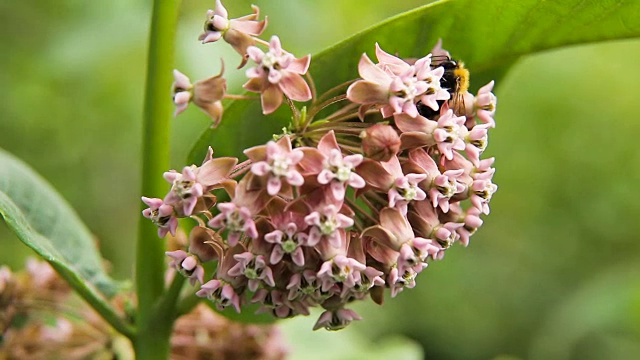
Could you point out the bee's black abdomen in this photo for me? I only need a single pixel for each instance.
(428, 112)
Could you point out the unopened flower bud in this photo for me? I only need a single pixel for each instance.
(380, 142)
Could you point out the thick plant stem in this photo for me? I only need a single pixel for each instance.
(154, 329)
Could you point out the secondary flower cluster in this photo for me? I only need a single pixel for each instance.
(341, 206)
(41, 318)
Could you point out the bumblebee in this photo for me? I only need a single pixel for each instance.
(456, 81)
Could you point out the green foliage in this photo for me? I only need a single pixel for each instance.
(43, 220)
(344, 344)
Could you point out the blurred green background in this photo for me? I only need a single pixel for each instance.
(553, 274)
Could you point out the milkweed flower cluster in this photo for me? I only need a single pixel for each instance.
(340, 206)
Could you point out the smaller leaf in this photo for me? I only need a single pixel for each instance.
(44, 221)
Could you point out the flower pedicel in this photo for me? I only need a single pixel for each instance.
(342, 205)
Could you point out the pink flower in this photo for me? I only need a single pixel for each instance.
(340, 270)
(426, 222)
(397, 86)
(182, 91)
(287, 241)
(374, 88)
(185, 189)
(482, 190)
(338, 170)
(276, 302)
(194, 182)
(277, 73)
(327, 224)
(364, 281)
(221, 293)
(206, 94)
(254, 268)
(471, 222)
(336, 319)
(187, 264)
(398, 281)
(396, 233)
(405, 189)
(162, 216)
(280, 162)
(485, 104)
(237, 220)
(304, 285)
(476, 142)
(389, 177)
(441, 187)
(450, 133)
(237, 32)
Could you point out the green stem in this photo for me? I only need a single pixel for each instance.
(186, 304)
(152, 341)
(100, 305)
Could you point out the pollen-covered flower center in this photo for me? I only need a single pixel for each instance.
(328, 225)
(270, 61)
(446, 242)
(289, 245)
(251, 273)
(481, 144)
(280, 166)
(340, 274)
(487, 192)
(158, 220)
(235, 222)
(452, 132)
(408, 277)
(448, 189)
(408, 193)
(409, 90)
(308, 288)
(183, 187)
(342, 173)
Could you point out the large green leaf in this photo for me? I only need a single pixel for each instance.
(489, 35)
(44, 221)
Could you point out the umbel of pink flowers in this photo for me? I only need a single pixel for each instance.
(341, 206)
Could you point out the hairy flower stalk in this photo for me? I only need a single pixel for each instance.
(337, 207)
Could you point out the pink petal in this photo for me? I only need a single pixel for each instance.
(294, 86)
(325, 176)
(271, 99)
(300, 66)
(356, 181)
(294, 178)
(274, 184)
(370, 72)
(337, 189)
(367, 92)
(221, 10)
(255, 54)
(249, 27)
(211, 36)
(261, 168)
(384, 57)
(392, 219)
(327, 143)
(276, 255)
